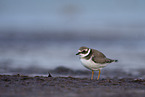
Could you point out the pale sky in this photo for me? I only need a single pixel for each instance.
(71, 14)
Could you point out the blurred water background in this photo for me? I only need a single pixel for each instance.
(47, 34)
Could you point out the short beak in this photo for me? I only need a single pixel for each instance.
(78, 53)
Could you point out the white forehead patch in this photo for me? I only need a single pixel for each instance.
(79, 50)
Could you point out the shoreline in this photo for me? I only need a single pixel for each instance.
(66, 72)
(40, 86)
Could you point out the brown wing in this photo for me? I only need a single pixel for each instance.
(99, 57)
(98, 54)
(102, 60)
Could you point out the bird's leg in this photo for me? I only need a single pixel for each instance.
(92, 75)
(99, 74)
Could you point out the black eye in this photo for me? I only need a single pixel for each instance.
(83, 51)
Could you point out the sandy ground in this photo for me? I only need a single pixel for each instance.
(39, 86)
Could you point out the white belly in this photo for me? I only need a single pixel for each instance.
(91, 65)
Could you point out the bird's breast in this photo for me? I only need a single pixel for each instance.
(86, 62)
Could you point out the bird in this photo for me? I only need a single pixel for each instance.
(93, 59)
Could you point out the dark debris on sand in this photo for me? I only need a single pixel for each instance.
(39, 86)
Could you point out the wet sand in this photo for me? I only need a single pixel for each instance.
(40, 86)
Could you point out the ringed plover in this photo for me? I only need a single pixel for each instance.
(93, 59)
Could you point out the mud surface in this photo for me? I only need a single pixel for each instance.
(40, 86)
